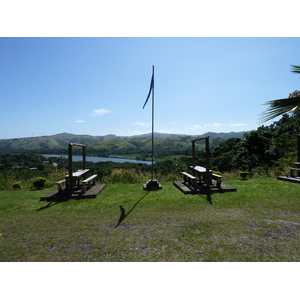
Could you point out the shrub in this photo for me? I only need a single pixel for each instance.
(217, 172)
(244, 174)
(39, 183)
(124, 176)
(17, 185)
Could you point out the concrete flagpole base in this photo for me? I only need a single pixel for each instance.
(152, 185)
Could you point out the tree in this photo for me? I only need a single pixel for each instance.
(254, 150)
(223, 155)
(281, 106)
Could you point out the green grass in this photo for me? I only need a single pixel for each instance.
(260, 222)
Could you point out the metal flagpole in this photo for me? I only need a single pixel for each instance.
(152, 184)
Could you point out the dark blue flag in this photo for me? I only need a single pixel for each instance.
(151, 88)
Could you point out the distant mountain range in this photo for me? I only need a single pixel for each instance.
(107, 144)
(224, 135)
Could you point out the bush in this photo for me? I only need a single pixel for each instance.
(17, 185)
(124, 176)
(244, 174)
(39, 183)
(217, 172)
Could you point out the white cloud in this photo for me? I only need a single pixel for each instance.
(140, 123)
(99, 112)
(206, 126)
(215, 125)
(80, 121)
(237, 124)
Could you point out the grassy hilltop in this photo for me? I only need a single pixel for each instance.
(260, 222)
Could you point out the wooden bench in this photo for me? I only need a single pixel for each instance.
(218, 178)
(88, 181)
(59, 185)
(293, 171)
(190, 179)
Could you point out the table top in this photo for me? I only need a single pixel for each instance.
(199, 169)
(79, 173)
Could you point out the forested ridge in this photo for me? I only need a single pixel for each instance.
(138, 147)
(268, 147)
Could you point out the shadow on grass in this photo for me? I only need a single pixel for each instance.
(208, 198)
(124, 215)
(54, 201)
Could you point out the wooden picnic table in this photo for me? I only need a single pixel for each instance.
(201, 172)
(77, 176)
(206, 175)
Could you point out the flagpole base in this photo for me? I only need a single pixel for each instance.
(152, 185)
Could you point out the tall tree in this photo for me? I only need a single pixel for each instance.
(281, 106)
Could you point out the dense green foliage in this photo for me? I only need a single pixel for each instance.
(268, 147)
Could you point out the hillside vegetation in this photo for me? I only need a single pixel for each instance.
(165, 144)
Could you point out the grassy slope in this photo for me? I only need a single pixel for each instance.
(260, 222)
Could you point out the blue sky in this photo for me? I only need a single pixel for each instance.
(98, 85)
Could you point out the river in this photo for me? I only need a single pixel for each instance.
(96, 159)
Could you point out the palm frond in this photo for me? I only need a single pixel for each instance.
(279, 107)
(296, 69)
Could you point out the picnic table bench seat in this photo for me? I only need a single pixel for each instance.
(190, 179)
(293, 171)
(218, 178)
(59, 185)
(87, 182)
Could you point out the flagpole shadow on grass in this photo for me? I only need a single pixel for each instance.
(124, 215)
(153, 184)
(53, 202)
(208, 197)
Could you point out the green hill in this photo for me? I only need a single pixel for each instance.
(165, 144)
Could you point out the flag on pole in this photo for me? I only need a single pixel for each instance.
(151, 88)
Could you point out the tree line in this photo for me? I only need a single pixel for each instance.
(268, 147)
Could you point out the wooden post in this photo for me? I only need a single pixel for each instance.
(194, 153)
(207, 173)
(70, 187)
(83, 159)
(208, 177)
(298, 153)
